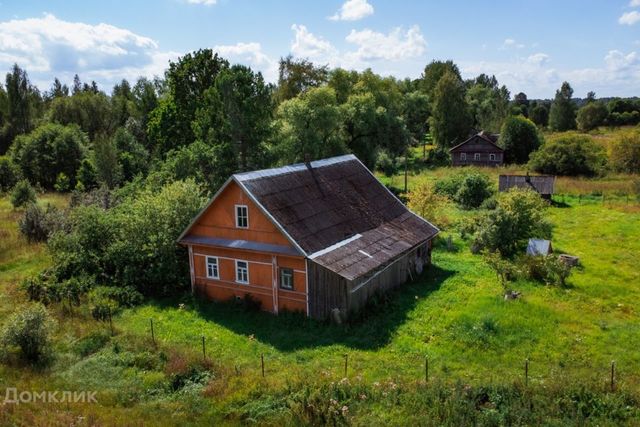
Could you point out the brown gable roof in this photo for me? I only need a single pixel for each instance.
(483, 137)
(327, 201)
(543, 184)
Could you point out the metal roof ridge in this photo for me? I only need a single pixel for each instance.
(296, 167)
(335, 246)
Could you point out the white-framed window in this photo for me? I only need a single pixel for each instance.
(213, 271)
(476, 156)
(492, 157)
(242, 271)
(242, 216)
(463, 156)
(286, 278)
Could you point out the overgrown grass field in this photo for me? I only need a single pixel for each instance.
(454, 315)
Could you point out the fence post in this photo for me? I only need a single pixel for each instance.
(426, 369)
(153, 337)
(110, 321)
(262, 362)
(613, 375)
(346, 361)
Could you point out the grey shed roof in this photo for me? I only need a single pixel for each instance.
(543, 184)
(539, 247)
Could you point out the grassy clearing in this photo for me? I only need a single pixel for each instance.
(453, 314)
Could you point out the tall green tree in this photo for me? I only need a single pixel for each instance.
(450, 121)
(105, 159)
(298, 76)
(433, 72)
(592, 115)
(519, 137)
(562, 116)
(488, 103)
(309, 126)
(19, 110)
(247, 109)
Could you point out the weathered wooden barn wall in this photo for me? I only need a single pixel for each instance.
(327, 290)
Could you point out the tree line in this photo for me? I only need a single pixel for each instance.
(207, 119)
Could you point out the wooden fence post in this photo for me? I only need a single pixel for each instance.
(262, 362)
(426, 369)
(346, 361)
(153, 337)
(613, 375)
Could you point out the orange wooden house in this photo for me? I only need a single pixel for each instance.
(318, 237)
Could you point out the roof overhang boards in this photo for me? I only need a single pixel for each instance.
(238, 182)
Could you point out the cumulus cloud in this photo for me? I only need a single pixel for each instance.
(634, 3)
(353, 10)
(250, 54)
(396, 45)
(50, 46)
(538, 59)
(511, 44)
(308, 45)
(629, 18)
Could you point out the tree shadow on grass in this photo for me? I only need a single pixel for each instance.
(372, 329)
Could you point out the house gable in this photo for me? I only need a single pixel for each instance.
(475, 144)
(216, 223)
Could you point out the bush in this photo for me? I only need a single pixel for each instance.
(9, 174)
(519, 137)
(63, 184)
(385, 163)
(22, 194)
(570, 155)
(591, 116)
(29, 329)
(519, 216)
(38, 224)
(625, 153)
(549, 269)
(430, 205)
(449, 186)
(474, 189)
(49, 150)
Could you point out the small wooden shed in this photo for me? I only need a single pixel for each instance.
(541, 184)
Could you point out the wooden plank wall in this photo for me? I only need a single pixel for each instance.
(327, 290)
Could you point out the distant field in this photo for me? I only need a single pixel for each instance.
(453, 314)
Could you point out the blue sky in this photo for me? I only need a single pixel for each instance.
(529, 46)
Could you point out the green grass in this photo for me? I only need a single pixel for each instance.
(453, 314)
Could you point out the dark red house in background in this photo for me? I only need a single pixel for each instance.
(479, 150)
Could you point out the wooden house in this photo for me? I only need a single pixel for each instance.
(319, 237)
(479, 150)
(541, 184)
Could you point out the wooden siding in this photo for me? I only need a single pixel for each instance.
(264, 283)
(220, 221)
(328, 290)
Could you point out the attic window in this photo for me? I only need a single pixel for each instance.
(242, 216)
(476, 156)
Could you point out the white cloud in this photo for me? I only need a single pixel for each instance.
(511, 44)
(203, 2)
(629, 18)
(538, 59)
(396, 45)
(618, 75)
(634, 3)
(308, 45)
(353, 10)
(49, 46)
(250, 54)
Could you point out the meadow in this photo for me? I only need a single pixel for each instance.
(453, 317)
